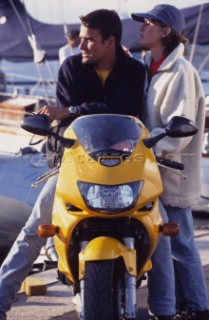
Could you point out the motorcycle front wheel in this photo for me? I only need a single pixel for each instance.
(98, 287)
(103, 291)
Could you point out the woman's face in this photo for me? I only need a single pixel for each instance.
(151, 34)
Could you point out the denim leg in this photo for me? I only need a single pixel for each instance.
(190, 281)
(161, 283)
(26, 248)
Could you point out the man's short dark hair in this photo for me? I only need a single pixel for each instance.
(73, 34)
(107, 21)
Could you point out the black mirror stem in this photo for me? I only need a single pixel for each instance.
(151, 142)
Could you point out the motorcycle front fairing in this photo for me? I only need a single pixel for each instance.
(107, 175)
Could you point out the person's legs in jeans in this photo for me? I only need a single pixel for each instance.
(25, 249)
(161, 283)
(190, 282)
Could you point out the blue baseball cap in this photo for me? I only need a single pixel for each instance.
(169, 15)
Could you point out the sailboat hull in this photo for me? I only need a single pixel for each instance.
(17, 198)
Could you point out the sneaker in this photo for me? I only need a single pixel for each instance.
(189, 314)
(180, 307)
(177, 317)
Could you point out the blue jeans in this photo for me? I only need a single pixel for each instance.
(161, 283)
(190, 282)
(26, 248)
(190, 288)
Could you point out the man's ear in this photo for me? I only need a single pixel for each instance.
(111, 41)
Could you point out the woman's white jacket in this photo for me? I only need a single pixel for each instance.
(176, 89)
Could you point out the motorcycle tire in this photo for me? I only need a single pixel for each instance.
(100, 298)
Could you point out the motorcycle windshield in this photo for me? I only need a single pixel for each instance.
(107, 134)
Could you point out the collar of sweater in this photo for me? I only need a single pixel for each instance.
(170, 59)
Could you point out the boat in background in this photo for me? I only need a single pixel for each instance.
(36, 41)
(20, 165)
(18, 171)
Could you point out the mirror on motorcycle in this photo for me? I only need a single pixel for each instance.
(178, 127)
(39, 124)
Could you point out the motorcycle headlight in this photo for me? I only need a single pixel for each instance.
(110, 199)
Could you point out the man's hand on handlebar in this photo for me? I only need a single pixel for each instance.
(54, 113)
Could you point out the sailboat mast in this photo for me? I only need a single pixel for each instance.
(196, 33)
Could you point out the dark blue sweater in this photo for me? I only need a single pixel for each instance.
(79, 85)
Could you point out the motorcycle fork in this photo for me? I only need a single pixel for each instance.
(130, 286)
(83, 243)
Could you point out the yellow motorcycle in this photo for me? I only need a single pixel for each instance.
(106, 220)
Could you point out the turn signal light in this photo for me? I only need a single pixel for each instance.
(169, 229)
(205, 155)
(47, 230)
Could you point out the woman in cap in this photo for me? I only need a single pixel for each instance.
(172, 88)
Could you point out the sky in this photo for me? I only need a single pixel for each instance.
(61, 11)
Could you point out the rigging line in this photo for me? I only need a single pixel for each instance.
(19, 17)
(196, 33)
(51, 74)
(41, 80)
(61, 11)
(38, 66)
(51, 82)
(203, 63)
(32, 32)
(65, 26)
(28, 18)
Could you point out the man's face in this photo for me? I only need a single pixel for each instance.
(93, 49)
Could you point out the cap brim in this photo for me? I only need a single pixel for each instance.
(141, 16)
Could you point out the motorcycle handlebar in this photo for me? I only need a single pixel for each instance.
(170, 163)
(45, 176)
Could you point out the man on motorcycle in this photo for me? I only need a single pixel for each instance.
(102, 79)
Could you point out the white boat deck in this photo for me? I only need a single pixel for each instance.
(12, 138)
